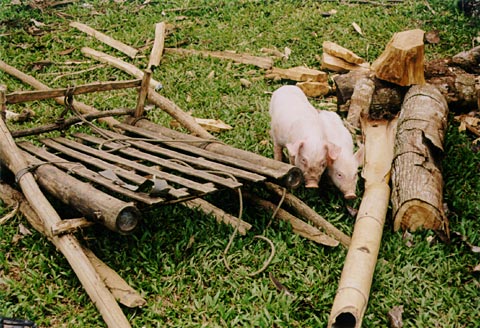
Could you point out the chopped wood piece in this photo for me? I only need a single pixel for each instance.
(299, 73)
(338, 51)
(402, 60)
(360, 101)
(336, 64)
(417, 192)
(468, 60)
(314, 89)
(129, 51)
(262, 62)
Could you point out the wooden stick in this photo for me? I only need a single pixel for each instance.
(24, 96)
(262, 62)
(129, 51)
(308, 213)
(118, 63)
(142, 95)
(81, 107)
(70, 226)
(299, 227)
(218, 213)
(11, 156)
(158, 46)
(125, 295)
(69, 121)
(3, 102)
(354, 287)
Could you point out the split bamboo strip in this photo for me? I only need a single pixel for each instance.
(81, 107)
(142, 95)
(120, 46)
(357, 275)
(158, 46)
(299, 227)
(304, 210)
(11, 156)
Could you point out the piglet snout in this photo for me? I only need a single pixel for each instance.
(350, 196)
(311, 184)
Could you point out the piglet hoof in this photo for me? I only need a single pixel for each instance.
(350, 196)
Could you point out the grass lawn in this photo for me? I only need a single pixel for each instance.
(175, 258)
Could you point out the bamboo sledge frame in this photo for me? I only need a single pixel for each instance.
(354, 287)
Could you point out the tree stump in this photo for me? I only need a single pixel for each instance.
(417, 184)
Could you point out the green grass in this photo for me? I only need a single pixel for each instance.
(186, 284)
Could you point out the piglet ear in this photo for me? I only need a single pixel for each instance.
(360, 154)
(295, 148)
(333, 151)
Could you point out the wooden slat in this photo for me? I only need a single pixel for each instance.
(229, 183)
(237, 162)
(121, 172)
(24, 96)
(83, 172)
(202, 188)
(191, 160)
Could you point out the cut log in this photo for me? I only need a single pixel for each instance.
(417, 195)
(353, 290)
(468, 60)
(96, 205)
(360, 101)
(299, 74)
(402, 60)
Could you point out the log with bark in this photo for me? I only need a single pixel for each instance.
(417, 184)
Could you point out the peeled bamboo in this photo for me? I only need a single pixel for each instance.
(357, 275)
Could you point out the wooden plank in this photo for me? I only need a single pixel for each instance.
(191, 160)
(24, 96)
(160, 161)
(199, 187)
(83, 172)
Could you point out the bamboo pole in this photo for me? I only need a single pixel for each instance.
(11, 156)
(81, 107)
(126, 49)
(354, 287)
